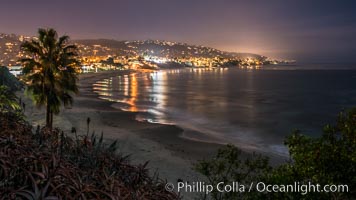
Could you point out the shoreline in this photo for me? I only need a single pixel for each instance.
(148, 130)
(168, 154)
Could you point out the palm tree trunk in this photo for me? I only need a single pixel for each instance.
(51, 120)
(48, 116)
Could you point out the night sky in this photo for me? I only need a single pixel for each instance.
(306, 30)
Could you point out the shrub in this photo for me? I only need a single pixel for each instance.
(326, 160)
(48, 164)
(228, 166)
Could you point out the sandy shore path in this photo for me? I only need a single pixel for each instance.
(169, 154)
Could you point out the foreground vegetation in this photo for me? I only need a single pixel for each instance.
(327, 160)
(47, 164)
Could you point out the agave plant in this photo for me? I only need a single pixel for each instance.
(51, 165)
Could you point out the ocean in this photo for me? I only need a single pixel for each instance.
(255, 109)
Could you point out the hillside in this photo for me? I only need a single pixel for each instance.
(158, 48)
(10, 49)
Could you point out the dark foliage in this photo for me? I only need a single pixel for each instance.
(228, 166)
(326, 160)
(48, 164)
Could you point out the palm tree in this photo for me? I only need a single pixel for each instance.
(49, 70)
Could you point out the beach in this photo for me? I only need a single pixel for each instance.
(170, 155)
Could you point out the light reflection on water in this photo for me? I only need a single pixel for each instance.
(128, 88)
(148, 92)
(251, 108)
